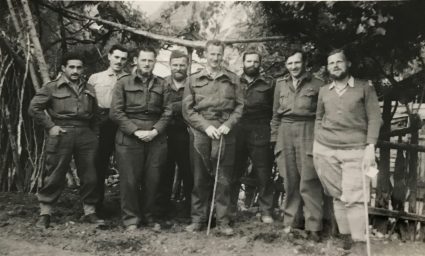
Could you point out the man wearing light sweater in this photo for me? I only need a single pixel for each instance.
(348, 120)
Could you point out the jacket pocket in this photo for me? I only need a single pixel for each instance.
(62, 103)
(309, 100)
(134, 97)
(261, 95)
(156, 99)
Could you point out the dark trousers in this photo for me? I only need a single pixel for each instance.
(204, 160)
(178, 155)
(80, 143)
(295, 162)
(140, 165)
(107, 132)
(253, 142)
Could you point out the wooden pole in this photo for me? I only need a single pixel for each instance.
(415, 121)
(169, 39)
(383, 186)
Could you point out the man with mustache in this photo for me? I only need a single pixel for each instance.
(72, 130)
(178, 137)
(212, 105)
(348, 121)
(140, 107)
(253, 134)
(292, 128)
(103, 83)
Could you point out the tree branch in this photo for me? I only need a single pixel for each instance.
(178, 41)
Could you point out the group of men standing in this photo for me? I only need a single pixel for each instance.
(321, 136)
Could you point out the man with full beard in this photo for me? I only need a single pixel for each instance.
(292, 128)
(253, 134)
(348, 120)
(140, 106)
(178, 138)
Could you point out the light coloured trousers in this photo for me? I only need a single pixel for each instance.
(340, 173)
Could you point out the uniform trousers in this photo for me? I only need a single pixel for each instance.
(205, 156)
(80, 142)
(140, 165)
(253, 142)
(295, 162)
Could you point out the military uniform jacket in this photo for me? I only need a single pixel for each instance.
(176, 97)
(209, 98)
(258, 98)
(292, 104)
(134, 101)
(63, 103)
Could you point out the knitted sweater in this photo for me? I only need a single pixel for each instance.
(351, 120)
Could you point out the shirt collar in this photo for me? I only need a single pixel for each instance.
(350, 83)
(205, 72)
(140, 77)
(257, 78)
(63, 80)
(111, 72)
(304, 77)
(172, 85)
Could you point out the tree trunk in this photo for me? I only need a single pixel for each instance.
(38, 51)
(18, 29)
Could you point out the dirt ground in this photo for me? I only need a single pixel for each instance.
(19, 236)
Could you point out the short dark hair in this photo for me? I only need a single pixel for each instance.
(294, 51)
(178, 54)
(251, 51)
(71, 56)
(118, 47)
(214, 42)
(146, 49)
(339, 50)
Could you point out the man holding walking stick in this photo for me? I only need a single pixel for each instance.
(348, 120)
(212, 105)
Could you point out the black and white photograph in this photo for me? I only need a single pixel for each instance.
(212, 128)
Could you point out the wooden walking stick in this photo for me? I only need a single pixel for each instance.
(215, 185)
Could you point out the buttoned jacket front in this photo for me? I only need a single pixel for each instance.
(176, 97)
(134, 100)
(292, 104)
(258, 95)
(212, 98)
